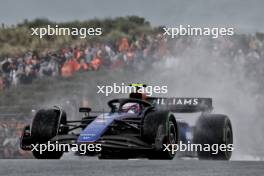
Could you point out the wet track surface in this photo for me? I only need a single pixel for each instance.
(96, 167)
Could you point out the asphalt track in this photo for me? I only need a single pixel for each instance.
(94, 167)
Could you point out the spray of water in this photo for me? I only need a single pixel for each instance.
(198, 73)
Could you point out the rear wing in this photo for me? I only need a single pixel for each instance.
(182, 104)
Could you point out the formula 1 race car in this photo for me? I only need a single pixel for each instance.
(135, 127)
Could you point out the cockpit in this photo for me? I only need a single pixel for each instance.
(132, 106)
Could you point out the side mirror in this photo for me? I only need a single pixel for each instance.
(85, 110)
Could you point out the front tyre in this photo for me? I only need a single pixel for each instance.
(47, 154)
(46, 125)
(166, 134)
(169, 140)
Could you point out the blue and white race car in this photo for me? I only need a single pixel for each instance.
(134, 127)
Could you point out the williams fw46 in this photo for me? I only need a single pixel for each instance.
(134, 127)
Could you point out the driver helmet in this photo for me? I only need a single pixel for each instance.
(132, 108)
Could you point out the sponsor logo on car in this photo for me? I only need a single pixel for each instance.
(177, 101)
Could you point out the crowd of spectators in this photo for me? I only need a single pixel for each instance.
(246, 51)
(24, 68)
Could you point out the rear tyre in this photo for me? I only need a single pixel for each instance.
(45, 126)
(214, 129)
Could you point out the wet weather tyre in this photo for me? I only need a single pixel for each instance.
(47, 155)
(115, 154)
(165, 134)
(45, 126)
(214, 129)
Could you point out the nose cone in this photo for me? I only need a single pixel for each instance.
(97, 128)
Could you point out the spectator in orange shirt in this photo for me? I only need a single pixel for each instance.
(96, 63)
(124, 45)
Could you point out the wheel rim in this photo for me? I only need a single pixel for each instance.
(171, 137)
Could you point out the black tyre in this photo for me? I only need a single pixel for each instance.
(47, 155)
(115, 154)
(166, 132)
(214, 129)
(45, 126)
